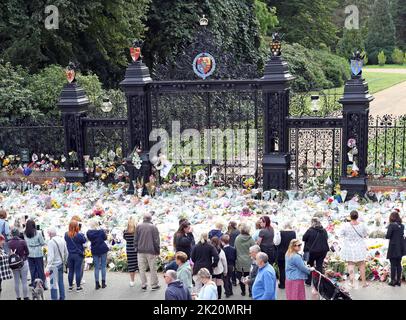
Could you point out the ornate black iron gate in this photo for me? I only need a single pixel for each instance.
(227, 113)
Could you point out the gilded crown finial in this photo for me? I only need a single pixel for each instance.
(204, 21)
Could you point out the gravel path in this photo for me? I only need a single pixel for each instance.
(391, 100)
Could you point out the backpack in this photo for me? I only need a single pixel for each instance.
(15, 261)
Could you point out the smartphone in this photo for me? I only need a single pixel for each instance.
(80, 226)
(26, 218)
(38, 228)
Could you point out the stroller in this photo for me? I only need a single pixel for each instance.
(327, 289)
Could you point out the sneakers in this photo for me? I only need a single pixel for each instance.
(79, 289)
(132, 284)
(70, 289)
(155, 287)
(144, 288)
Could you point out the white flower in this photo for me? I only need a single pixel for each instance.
(201, 177)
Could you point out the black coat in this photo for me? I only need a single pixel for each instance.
(204, 255)
(316, 240)
(231, 255)
(233, 235)
(396, 240)
(184, 243)
(286, 237)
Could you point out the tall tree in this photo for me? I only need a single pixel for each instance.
(381, 31)
(399, 15)
(308, 22)
(173, 26)
(96, 33)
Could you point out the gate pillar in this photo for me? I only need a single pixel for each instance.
(73, 104)
(275, 86)
(137, 77)
(355, 103)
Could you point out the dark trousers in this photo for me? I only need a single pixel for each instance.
(234, 278)
(228, 286)
(282, 275)
(239, 275)
(271, 252)
(316, 258)
(37, 269)
(396, 269)
(75, 267)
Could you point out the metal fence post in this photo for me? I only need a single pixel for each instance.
(74, 104)
(355, 103)
(137, 77)
(275, 86)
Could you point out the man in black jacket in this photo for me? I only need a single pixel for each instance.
(316, 244)
(204, 255)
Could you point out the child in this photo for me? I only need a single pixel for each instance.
(231, 256)
(217, 232)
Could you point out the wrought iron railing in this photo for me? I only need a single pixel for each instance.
(387, 146)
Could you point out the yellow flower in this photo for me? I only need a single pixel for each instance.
(6, 162)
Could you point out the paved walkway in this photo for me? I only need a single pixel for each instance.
(118, 289)
(391, 100)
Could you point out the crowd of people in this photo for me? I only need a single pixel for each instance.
(223, 258)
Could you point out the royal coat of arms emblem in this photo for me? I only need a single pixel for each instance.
(204, 65)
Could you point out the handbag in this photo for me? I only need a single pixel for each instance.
(306, 254)
(64, 262)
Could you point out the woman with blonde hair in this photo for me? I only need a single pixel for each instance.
(132, 260)
(204, 255)
(296, 272)
(209, 289)
(74, 242)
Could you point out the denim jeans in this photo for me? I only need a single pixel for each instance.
(20, 276)
(100, 263)
(75, 267)
(56, 281)
(37, 269)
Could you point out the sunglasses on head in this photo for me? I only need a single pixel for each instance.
(298, 245)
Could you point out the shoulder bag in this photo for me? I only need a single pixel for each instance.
(64, 262)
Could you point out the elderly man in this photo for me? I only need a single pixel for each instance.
(254, 250)
(264, 287)
(147, 244)
(57, 256)
(176, 289)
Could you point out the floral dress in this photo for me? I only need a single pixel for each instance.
(354, 248)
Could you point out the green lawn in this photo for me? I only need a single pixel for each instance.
(386, 66)
(376, 81)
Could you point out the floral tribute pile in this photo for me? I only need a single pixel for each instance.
(204, 203)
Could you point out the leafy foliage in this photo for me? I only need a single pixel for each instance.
(266, 17)
(315, 69)
(381, 31)
(173, 27)
(16, 100)
(96, 33)
(351, 40)
(397, 56)
(381, 58)
(307, 22)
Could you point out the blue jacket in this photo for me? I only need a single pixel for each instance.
(215, 233)
(177, 291)
(231, 255)
(295, 268)
(75, 244)
(264, 287)
(97, 244)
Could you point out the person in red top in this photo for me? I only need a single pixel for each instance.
(19, 247)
